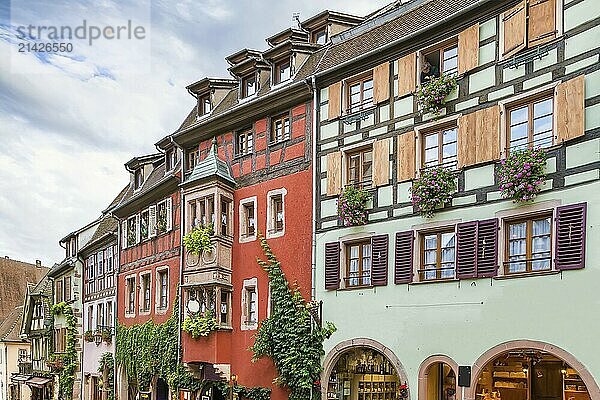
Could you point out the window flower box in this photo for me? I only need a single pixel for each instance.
(352, 206)
(522, 174)
(433, 190)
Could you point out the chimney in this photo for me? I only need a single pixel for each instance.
(38, 263)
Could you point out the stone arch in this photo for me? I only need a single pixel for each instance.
(333, 356)
(556, 351)
(423, 371)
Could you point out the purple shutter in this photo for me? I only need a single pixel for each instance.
(466, 250)
(570, 236)
(332, 265)
(379, 264)
(403, 260)
(487, 248)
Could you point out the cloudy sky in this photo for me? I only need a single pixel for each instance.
(70, 120)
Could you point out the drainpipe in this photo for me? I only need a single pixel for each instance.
(181, 260)
(314, 192)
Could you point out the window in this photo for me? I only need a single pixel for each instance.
(280, 129)
(244, 142)
(132, 231)
(204, 105)
(146, 290)
(283, 71)
(73, 247)
(360, 167)
(202, 212)
(100, 316)
(90, 318)
(437, 256)
(530, 124)
(109, 314)
(130, 295)
(224, 308)
(528, 245)
(249, 219)
(38, 310)
(193, 158)
(249, 85)
(109, 257)
(145, 224)
(251, 304)
(442, 60)
(138, 179)
(277, 213)
(359, 93)
(163, 294)
(358, 264)
(164, 216)
(225, 207)
(319, 36)
(439, 148)
(171, 159)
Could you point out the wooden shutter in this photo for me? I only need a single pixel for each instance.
(381, 162)
(407, 74)
(58, 289)
(541, 27)
(332, 265)
(67, 296)
(477, 249)
(124, 234)
(479, 137)
(335, 100)
(334, 173)
(466, 250)
(406, 156)
(138, 236)
(570, 109)
(379, 264)
(515, 27)
(381, 83)
(169, 207)
(570, 236)
(468, 49)
(403, 258)
(152, 221)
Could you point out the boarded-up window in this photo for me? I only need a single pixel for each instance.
(515, 26)
(570, 109)
(407, 74)
(542, 22)
(332, 265)
(379, 269)
(381, 162)
(479, 136)
(477, 249)
(403, 257)
(468, 49)
(381, 83)
(570, 236)
(334, 173)
(335, 100)
(406, 156)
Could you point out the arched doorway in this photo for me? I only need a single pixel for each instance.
(437, 378)
(363, 369)
(530, 370)
(162, 390)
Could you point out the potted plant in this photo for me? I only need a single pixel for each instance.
(431, 95)
(433, 190)
(200, 324)
(88, 336)
(199, 240)
(106, 336)
(55, 362)
(352, 206)
(521, 175)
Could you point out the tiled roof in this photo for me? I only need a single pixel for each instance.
(107, 224)
(14, 278)
(211, 166)
(11, 326)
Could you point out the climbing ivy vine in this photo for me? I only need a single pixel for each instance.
(107, 362)
(288, 337)
(66, 375)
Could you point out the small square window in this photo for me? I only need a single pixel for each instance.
(438, 259)
(244, 142)
(280, 128)
(531, 123)
(249, 85)
(359, 93)
(359, 169)
(319, 36)
(528, 245)
(283, 71)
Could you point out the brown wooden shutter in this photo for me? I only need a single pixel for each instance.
(334, 173)
(468, 49)
(487, 248)
(466, 250)
(381, 83)
(403, 258)
(67, 296)
(58, 287)
(570, 109)
(570, 236)
(379, 265)
(332, 265)
(541, 25)
(406, 156)
(335, 100)
(515, 27)
(479, 137)
(407, 74)
(381, 162)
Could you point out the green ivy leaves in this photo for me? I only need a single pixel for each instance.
(107, 362)
(66, 377)
(200, 325)
(198, 240)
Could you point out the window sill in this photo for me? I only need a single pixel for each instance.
(275, 234)
(278, 143)
(238, 157)
(527, 274)
(247, 239)
(424, 282)
(357, 287)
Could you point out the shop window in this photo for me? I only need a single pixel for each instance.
(441, 382)
(359, 93)
(146, 289)
(439, 147)
(438, 61)
(319, 36)
(138, 178)
(528, 245)
(280, 128)
(204, 105)
(531, 123)
(358, 264)
(437, 256)
(162, 278)
(283, 70)
(225, 216)
(359, 167)
(193, 158)
(244, 142)
(130, 295)
(249, 85)
(248, 219)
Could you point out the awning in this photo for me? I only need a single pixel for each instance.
(19, 378)
(38, 382)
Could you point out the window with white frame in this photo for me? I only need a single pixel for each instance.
(109, 314)
(438, 255)
(145, 292)
(162, 291)
(130, 294)
(250, 304)
(276, 213)
(247, 219)
(164, 216)
(225, 216)
(132, 230)
(145, 224)
(100, 316)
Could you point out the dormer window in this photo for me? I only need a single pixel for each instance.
(319, 36)
(283, 71)
(204, 105)
(249, 85)
(171, 159)
(138, 178)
